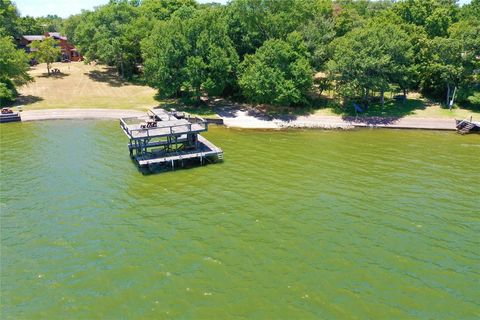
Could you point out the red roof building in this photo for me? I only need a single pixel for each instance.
(69, 52)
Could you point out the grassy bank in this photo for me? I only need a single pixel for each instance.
(82, 86)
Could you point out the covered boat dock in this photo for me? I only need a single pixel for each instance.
(169, 139)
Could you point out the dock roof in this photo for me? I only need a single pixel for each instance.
(169, 125)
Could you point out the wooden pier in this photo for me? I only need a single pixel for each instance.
(169, 139)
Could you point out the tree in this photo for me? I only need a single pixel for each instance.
(251, 22)
(9, 18)
(434, 15)
(162, 10)
(442, 67)
(467, 33)
(102, 36)
(370, 59)
(46, 51)
(50, 23)
(317, 34)
(30, 25)
(452, 62)
(70, 25)
(165, 54)
(470, 11)
(278, 73)
(13, 69)
(212, 49)
(194, 55)
(346, 19)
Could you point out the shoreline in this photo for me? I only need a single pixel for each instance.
(78, 114)
(242, 120)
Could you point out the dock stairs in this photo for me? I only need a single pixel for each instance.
(467, 128)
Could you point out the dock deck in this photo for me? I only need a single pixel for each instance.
(205, 150)
(133, 128)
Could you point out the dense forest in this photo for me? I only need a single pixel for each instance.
(279, 52)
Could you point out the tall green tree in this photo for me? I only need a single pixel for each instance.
(49, 23)
(70, 25)
(47, 51)
(31, 26)
(251, 22)
(165, 54)
(317, 34)
(452, 62)
(278, 73)
(102, 36)
(470, 11)
(13, 69)
(434, 15)
(370, 59)
(194, 55)
(9, 19)
(346, 18)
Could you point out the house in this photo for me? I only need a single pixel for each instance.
(69, 52)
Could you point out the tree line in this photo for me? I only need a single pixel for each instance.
(14, 63)
(268, 51)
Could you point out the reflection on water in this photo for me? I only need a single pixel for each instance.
(294, 224)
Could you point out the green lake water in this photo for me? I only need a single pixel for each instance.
(365, 224)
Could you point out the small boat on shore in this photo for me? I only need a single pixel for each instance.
(467, 126)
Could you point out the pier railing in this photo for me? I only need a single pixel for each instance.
(465, 120)
(161, 130)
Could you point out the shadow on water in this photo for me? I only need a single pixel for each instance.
(158, 168)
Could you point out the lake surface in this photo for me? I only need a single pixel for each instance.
(293, 225)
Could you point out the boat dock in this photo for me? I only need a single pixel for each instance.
(169, 139)
(467, 126)
(8, 115)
